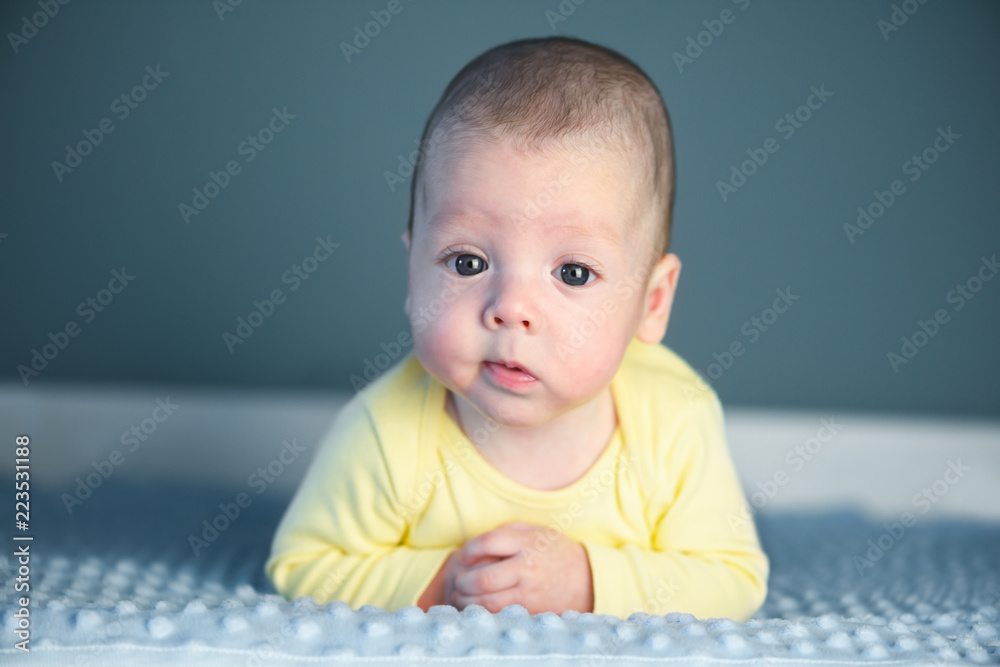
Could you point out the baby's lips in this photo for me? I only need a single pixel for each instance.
(514, 365)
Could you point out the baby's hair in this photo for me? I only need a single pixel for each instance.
(532, 91)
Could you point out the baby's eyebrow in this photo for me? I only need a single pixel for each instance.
(451, 222)
(590, 233)
(445, 223)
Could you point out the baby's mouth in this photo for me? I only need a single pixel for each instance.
(509, 373)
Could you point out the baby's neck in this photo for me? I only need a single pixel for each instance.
(549, 456)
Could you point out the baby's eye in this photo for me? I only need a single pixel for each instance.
(469, 265)
(575, 275)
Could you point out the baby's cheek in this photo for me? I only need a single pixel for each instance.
(441, 325)
(434, 299)
(442, 341)
(594, 365)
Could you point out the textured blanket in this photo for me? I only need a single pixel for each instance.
(118, 582)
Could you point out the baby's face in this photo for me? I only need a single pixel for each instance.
(526, 259)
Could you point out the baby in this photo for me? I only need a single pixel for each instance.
(538, 446)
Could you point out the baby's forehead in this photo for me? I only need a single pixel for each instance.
(560, 159)
(552, 206)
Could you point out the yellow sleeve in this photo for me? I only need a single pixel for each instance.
(342, 536)
(705, 559)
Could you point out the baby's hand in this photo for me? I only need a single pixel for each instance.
(523, 564)
(455, 566)
(442, 586)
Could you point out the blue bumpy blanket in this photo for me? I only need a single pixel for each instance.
(119, 582)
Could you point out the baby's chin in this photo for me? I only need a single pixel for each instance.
(510, 412)
(492, 404)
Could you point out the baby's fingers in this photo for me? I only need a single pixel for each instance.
(481, 561)
(489, 579)
(502, 542)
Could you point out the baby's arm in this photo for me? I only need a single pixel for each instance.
(705, 558)
(506, 566)
(340, 537)
(438, 590)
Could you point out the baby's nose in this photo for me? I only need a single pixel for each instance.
(499, 322)
(513, 306)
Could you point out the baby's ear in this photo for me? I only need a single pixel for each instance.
(406, 241)
(658, 299)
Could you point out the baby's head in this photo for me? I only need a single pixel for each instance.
(539, 224)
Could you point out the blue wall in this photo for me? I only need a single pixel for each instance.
(323, 175)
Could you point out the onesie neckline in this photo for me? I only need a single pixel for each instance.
(484, 472)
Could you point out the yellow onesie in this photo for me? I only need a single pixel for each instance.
(396, 486)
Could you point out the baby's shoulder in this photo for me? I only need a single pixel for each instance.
(672, 411)
(659, 379)
(383, 417)
(377, 431)
(396, 399)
